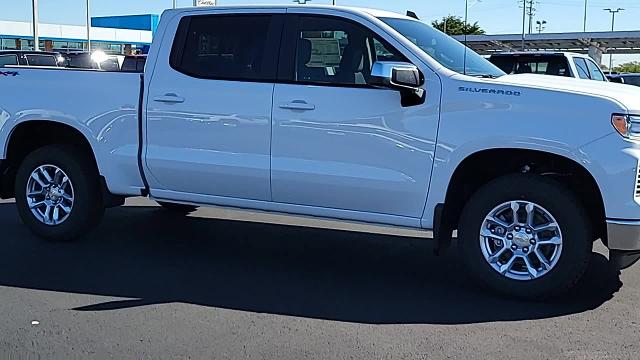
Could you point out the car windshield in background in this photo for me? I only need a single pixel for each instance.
(444, 49)
(8, 60)
(544, 65)
(41, 60)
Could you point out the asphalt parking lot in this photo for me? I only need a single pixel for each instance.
(149, 284)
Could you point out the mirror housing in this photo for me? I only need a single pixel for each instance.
(401, 76)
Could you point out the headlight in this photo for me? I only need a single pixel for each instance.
(627, 125)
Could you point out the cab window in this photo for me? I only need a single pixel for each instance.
(228, 47)
(335, 51)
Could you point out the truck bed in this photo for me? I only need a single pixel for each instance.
(102, 105)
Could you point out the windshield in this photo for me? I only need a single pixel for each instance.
(444, 49)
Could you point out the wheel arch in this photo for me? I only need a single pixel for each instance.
(32, 134)
(478, 168)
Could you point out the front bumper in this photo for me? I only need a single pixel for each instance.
(624, 242)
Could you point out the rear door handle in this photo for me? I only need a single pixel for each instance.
(298, 105)
(169, 98)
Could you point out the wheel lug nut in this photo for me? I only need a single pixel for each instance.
(510, 236)
(517, 228)
(525, 249)
(514, 248)
(532, 242)
(528, 231)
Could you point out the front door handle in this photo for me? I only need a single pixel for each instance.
(298, 105)
(169, 98)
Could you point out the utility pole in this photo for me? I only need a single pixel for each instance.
(89, 25)
(174, 4)
(540, 25)
(36, 37)
(531, 11)
(613, 27)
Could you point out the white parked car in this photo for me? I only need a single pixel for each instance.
(566, 64)
(333, 112)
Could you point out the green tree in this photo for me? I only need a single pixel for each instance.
(455, 25)
(631, 67)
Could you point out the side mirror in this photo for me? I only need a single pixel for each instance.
(401, 76)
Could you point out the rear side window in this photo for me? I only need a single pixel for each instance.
(583, 70)
(41, 60)
(236, 47)
(8, 60)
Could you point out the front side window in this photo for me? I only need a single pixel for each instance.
(581, 66)
(226, 47)
(334, 51)
(594, 71)
(8, 60)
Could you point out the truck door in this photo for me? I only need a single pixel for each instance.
(339, 143)
(208, 120)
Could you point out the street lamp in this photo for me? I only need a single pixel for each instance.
(586, 9)
(36, 38)
(524, 22)
(89, 25)
(541, 25)
(613, 26)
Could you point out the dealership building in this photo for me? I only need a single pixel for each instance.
(113, 34)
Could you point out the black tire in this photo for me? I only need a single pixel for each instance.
(561, 203)
(88, 208)
(177, 208)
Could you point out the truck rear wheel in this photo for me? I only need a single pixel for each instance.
(525, 236)
(58, 193)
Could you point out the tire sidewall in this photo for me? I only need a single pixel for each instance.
(560, 203)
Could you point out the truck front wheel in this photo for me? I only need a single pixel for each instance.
(58, 193)
(525, 236)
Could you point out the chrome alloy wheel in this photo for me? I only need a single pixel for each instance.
(521, 240)
(50, 195)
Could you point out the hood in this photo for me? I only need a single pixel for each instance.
(627, 95)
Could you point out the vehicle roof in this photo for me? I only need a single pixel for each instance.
(28, 52)
(359, 10)
(539, 53)
(624, 74)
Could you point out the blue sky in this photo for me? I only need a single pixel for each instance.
(497, 16)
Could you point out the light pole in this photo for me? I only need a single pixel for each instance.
(36, 38)
(613, 27)
(586, 9)
(89, 25)
(174, 3)
(524, 21)
(541, 25)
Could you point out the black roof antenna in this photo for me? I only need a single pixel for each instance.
(411, 14)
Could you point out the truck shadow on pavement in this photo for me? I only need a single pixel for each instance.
(148, 256)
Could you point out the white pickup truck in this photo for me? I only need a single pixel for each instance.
(332, 112)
